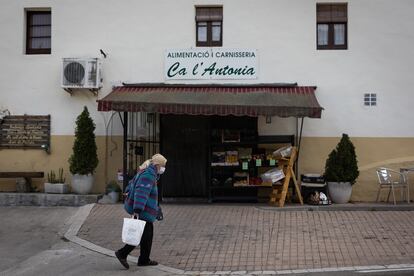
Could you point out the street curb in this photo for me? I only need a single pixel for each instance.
(81, 215)
(76, 223)
(339, 207)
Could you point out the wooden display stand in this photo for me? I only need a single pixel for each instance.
(279, 192)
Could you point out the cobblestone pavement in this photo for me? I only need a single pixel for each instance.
(247, 238)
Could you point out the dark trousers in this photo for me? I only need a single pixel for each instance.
(145, 245)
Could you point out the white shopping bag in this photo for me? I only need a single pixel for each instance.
(132, 231)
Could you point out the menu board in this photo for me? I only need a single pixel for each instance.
(25, 131)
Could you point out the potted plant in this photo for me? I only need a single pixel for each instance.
(341, 170)
(84, 159)
(113, 190)
(56, 184)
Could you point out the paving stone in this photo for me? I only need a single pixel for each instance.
(228, 238)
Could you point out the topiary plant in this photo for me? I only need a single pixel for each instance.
(84, 159)
(342, 164)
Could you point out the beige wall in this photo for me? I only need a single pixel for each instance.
(371, 153)
(61, 149)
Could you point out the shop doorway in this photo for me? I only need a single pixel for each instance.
(184, 140)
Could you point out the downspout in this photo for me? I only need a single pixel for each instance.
(299, 142)
(300, 135)
(125, 153)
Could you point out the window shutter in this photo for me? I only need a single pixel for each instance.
(324, 13)
(339, 13)
(328, 13)
(209, 14)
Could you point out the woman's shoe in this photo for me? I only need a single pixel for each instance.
(123, 261)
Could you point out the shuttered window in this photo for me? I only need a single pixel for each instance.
(209, 26)
(332, 26)
(38, 32)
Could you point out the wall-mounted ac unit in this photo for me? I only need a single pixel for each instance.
(81, 73)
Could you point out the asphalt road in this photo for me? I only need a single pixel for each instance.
(26, 231)
(32, 243)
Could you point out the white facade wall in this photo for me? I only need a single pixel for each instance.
(135, 34)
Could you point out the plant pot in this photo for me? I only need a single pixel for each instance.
(82, 184)
(114, 196)
(340, 192)
(56, 188)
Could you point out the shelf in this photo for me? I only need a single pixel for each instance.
(238, 187)
(257, 147)
(275, 139)
(253, 186)
(239, 166)
(254, 143)
(231, 169)
(281, 139)
(225, 166)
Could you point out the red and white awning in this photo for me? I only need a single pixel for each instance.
(238, 100)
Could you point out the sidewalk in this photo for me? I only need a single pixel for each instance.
(260, 238)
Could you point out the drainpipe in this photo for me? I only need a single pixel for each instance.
(298, 145)
(125, 153)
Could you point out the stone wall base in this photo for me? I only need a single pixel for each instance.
(41, 199)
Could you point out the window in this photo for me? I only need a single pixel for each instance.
(332, 21)
(370, 99)
(209, 26)
(38, 32)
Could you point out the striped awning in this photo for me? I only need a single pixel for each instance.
(238, 100)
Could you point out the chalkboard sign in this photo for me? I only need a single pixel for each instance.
(25, 132)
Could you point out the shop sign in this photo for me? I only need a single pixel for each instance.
(211, 63)
(25, 131)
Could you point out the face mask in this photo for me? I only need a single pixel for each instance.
(162, 170)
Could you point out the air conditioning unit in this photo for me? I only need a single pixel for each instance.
(81, 73)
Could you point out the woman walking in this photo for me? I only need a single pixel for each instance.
(142, 203)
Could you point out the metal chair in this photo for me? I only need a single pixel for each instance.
(391, 180)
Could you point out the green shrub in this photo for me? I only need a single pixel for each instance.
(51, 177)
(113, 187)
(84, 159)
(342, 164)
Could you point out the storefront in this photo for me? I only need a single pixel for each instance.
(200, 50)
(209, 133)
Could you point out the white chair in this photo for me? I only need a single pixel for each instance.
(391, 180)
